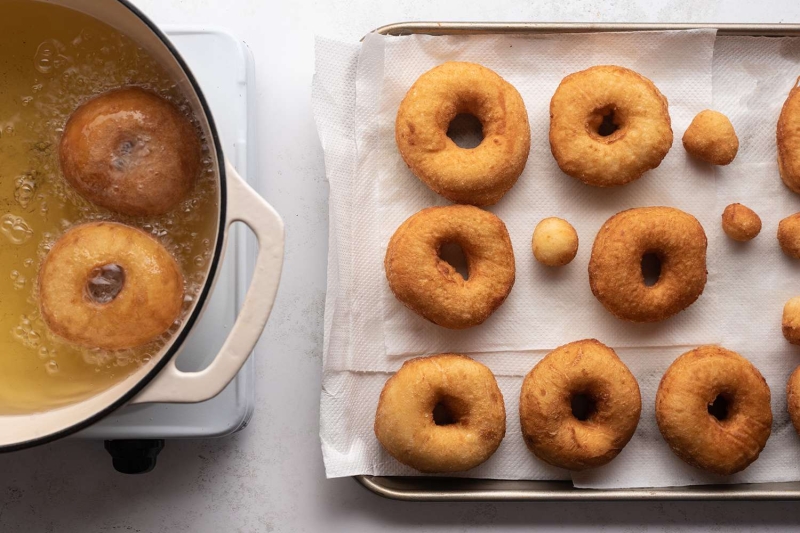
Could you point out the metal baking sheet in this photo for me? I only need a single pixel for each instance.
(468, 489)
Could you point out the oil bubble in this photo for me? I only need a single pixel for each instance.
(15, 228)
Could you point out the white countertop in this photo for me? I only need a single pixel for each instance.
(270, 476)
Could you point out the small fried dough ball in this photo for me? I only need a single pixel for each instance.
(555, 242)
(711, 137)
(789, 235)
(740, 223)
(791, 320)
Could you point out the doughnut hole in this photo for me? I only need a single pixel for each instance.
(790, 321)
(583, 406)
(605, 123)
(453, 255)
(448, 411)
(554, 242)
(104, 283)
(721, 407)
(651, 268)
(466, 130)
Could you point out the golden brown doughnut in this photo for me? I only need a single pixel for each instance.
(554, 242)
(789, 235)
(130, 151)
(793, 398)
(107, 285)
(788, 135)
(615, 267)
(608, 126)
(790, 322)
(477, 176)
(740, 223)
(442, 413)
(430, 286)
(711, 137)
(587, 370)
(712, 408)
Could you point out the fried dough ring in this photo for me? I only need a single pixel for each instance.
(130, 151)
(149, 296)
(688, 394)
(615, 271)
(550, 428)
(580, 111)
(788, 136)
(471, 399)
(430, 286)
(477, 176)
(793, 398)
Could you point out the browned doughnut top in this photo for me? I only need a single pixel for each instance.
(608, 125)
(107, 285)
(707, 380)
(793, 398)
(788, 134)
(130, 151)
(550, 428)
(615, 268)
(480, 175)
(430, 286)
(472, 422)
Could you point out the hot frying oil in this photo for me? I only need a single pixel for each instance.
(52, 60)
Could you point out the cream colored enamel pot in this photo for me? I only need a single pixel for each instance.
(160, 380)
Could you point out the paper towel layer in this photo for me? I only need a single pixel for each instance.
(368, 334)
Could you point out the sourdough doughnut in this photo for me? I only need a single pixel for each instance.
(430, 286)
(554, 242)
(615, 267)
(793, 398)
(130, 151)
(790, 321)
(711, 137)
(477, 176)
(470, 421)
(788, 135)
(608, 126)
(111, 286)
(712, 408)
(550, 427)
(789, 235)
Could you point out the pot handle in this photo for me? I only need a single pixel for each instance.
(172, 385)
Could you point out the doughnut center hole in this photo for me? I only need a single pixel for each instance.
(452, 254)
(465, 130)
(105, 283)
(719, 407)
(604, 121)
(583, 406)
(443, 415)
(651, 268)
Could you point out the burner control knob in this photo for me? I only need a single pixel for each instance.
(135, 456)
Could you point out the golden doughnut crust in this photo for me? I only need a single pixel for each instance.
(468, 391)
(130, 151)
(789, 235)
(554, 242)
(477, 176)
(430, 286)
(691, 384)
(789, 140)
(147, 305)
(637, 109)
(549, 427)
(790, 322)
(740, 223)
(615, 271)
(793, 398)
(711, 137)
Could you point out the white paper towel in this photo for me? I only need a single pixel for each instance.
(367, 334)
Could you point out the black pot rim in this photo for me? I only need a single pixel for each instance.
(204, 293)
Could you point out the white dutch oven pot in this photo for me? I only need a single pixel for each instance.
(160, 380)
